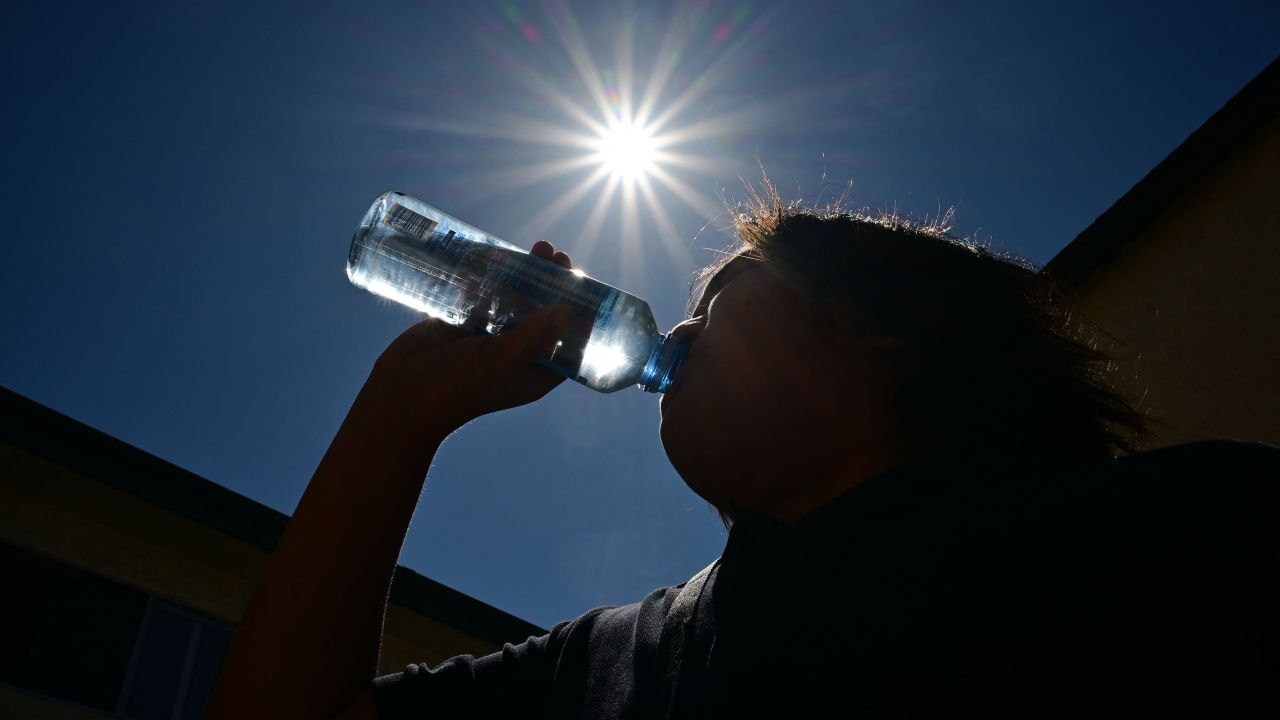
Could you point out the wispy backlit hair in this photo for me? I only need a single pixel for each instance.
(1004, 370)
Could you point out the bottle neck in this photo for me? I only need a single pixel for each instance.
(667, 356)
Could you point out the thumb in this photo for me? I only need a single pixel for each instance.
(533, 338)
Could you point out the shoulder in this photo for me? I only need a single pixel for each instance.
(1175, 520)
(1192, 524)
(613, 630)
(1204, 466)
(1185, 566)
(1208, 459)
(611, 620)
(1206, 478)
(538, 677)
(1210, 484)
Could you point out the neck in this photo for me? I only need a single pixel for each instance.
(794, 506)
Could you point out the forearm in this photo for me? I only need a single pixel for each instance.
(308, 644)
(309, 641)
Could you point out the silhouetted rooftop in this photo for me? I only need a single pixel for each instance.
(94, 454)
(1229, 128)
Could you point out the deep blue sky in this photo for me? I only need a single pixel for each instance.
(181, 181)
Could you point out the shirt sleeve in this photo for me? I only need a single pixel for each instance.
(521, 680)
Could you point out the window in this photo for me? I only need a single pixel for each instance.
(81, 638)
(178, 657)
(68, 634)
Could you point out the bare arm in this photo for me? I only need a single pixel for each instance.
(308, 644)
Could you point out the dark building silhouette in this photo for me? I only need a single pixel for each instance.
(124, 576)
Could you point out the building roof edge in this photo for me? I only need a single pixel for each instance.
(1233, 124)
(68, 442)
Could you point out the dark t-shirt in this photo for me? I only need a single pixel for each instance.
(1138, 586)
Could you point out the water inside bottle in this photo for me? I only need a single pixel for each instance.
(415, 255)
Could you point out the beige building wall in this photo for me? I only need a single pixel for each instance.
(1192, 303)
(58, 513)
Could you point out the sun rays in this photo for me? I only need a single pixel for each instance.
(639, 132)
(623, 137)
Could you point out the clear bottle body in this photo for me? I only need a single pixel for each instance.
(411, 253)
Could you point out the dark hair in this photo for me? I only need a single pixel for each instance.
(1006, 374)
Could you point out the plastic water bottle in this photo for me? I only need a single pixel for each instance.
(411, 253)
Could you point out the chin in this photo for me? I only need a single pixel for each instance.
(691, 458)
(671, 438)
(671, 412)
(680, 445)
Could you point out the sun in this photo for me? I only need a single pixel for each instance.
(626, 149)
(627, 144)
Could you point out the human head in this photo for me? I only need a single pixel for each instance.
(954, 350)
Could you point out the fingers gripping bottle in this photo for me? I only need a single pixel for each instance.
(409, 252)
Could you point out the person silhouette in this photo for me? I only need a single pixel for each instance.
(936, 504)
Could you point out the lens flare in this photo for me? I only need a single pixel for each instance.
(632, 136)
(626, 149)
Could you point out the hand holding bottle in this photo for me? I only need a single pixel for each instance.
(436, 377)
(321, 605)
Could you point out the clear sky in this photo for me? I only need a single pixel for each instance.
(182, 179)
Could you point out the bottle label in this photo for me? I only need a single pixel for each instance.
(607, 306)
(410, 223)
